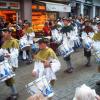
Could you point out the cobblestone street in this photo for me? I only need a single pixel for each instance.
(66, 83)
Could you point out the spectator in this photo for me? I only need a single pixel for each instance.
(46, 29)
(85, 93)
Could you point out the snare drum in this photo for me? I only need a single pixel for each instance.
(24, 44)
(40, 85)
(97, 56)
(5, 71)
(64, 50)
(56, 36)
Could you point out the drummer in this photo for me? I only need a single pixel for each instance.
(67, 28)
(9, 43)
(87, 32)
(96, 37)
(28, 31)
(44, 55)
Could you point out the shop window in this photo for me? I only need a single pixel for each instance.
(13, 4)
(8, 15)
(38, 20)
(34, 7)
(42, 8)
(2, 4)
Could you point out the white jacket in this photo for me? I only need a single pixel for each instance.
(48, 72)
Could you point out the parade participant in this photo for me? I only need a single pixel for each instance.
(28, 36)
(87, 34)
(49, 59)
(65, 30)
(28, 30)
(95, 27)
(96, 37)
(11, 43)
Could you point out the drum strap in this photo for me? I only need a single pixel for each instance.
(1, 58)
(8, 50)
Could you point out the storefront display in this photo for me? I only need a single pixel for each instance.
(38, 20)
(8, 15)
(39, 17)
(9, 10)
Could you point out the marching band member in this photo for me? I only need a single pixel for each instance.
(50, 61)
(96, 37)
(28, 35)
(65, 30)
(11, 45)
(88, 32)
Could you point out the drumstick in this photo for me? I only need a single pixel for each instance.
(42, 60)
(39, 58)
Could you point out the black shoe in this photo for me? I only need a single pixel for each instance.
(70, 70)
(13, 97)
(98, 82)
(29, 62)
(14, 69)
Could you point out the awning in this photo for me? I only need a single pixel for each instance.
(57, 7)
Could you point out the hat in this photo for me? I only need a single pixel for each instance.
(27, 22)
(43, 40)
(67, 19)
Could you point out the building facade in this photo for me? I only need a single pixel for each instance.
(39, 11)
(89, 8)
(36, 11)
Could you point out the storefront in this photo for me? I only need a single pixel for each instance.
(58, 9)
(9, 10)
(39, 16)
(44, 11)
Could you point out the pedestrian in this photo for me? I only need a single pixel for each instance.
(67, 28)
(10, 43)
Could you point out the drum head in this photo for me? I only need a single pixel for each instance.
(26, 48)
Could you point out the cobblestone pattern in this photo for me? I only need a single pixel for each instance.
(68, 94)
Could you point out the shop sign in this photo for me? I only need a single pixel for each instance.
(58, 7)
(14, 5)
(3, 4)
(38, 7)
(9, 5)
